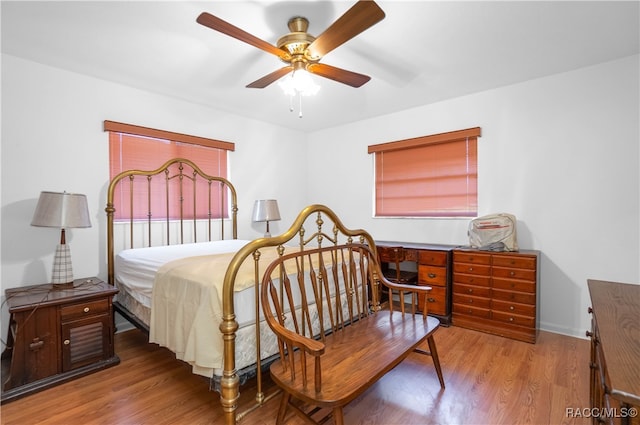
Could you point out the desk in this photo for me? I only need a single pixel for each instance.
(432, 262)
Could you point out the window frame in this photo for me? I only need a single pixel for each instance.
(459, 200)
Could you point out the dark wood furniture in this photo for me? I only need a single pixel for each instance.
(56, 334)
(615, 352)
(432, 263)
(497, 292)
(354, 346)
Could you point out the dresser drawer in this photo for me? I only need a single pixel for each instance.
(471, 257)
(476, 269)
(517, 261)
(432, 275)
(433, 258)
(468, 310)
(477, 291)
(410, 255)
(471, 279)
(472, 301)
(513, 296)
(515, 285)
(514, 308)
(72, 311)
(523, 274)
(513, 319)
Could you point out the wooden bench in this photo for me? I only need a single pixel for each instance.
(335, 347)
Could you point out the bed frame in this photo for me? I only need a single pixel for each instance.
(326, 230)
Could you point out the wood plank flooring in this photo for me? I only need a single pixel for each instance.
(489, 379)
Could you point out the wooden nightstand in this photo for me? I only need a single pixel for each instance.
(57, 334)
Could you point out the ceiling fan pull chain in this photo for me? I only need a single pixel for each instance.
(299, 105)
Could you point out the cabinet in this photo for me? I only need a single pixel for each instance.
(615, 352)
(497, 292)
(432, 263)
(56, 334)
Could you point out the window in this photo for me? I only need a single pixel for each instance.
(141, 148)
(430, 176)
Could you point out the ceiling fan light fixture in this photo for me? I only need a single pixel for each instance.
(299, 82)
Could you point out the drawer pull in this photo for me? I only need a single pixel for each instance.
(470, 269)
(431, 275)
(589, 334)
(470, 290)
(36, 344)
(511, 319)
(66, 342)
(512, 273)
(431, 300)
(470, 300)
(511, 307)
(86, 309)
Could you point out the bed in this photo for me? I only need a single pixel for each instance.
(191, 283)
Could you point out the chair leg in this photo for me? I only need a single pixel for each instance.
(338, 418)
(284, 403)
(436, 360)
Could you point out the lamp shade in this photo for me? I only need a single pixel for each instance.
(61, 209)
(266, 210)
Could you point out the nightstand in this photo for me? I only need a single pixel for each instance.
(57, 334)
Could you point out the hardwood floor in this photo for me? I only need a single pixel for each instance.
(489, 379)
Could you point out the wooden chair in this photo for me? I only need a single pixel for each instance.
(326, 363)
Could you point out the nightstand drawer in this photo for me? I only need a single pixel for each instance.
(84, 309)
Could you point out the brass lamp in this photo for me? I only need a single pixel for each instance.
(266, 210)
(63, 210)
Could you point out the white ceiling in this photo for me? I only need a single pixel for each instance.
(422, 52)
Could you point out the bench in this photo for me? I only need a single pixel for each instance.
(336, 346)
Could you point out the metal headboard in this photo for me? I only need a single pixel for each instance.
(185, 176)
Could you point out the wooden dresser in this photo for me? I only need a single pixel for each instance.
(497, 292)
(615, 352)
(432, 262)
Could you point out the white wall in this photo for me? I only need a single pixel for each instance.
(561, 153)
(52, 139)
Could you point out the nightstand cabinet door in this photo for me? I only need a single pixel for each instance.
(85, 341)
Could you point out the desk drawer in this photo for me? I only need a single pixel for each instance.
(436, 300)
(433, 258)
(389, 254)
(430, 275)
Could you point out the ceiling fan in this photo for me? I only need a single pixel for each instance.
(300, 50)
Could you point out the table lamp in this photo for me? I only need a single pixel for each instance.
(266, 210)
(63, 210)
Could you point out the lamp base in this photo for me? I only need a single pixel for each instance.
(62, 269)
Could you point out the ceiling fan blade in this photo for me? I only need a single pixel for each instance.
(224, 27)
(361, 16)
(340, 75)
(270, 78)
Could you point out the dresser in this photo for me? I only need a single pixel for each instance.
(56, 334)
(615, 352)
(432, 263)
(497, 292)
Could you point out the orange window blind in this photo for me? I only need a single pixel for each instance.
(431, 176)
(149, 197)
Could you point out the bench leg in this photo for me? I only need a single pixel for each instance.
(338, 418)
(284, 404)
(436, 360)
